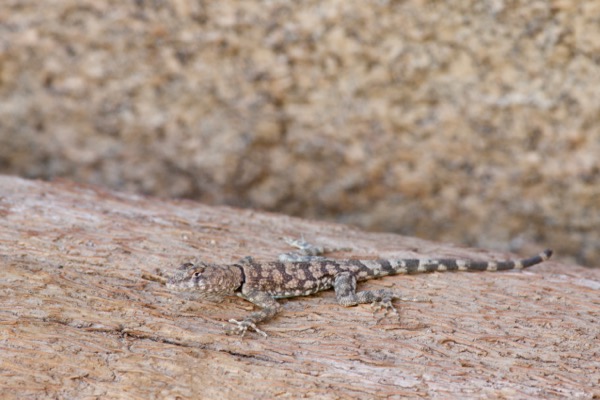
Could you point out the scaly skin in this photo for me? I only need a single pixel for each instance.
(263, 282)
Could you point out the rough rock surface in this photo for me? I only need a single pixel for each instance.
(83, 315)
(470, 121)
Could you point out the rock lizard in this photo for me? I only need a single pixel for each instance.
(306, 272)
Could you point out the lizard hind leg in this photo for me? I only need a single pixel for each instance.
(345, 291)
(306, 251)
(382, 300)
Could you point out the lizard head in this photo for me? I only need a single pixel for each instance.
(208, 281)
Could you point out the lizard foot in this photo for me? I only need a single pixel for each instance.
(386, 305)
(241, 327)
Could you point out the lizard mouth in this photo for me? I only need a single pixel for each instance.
(180, 287)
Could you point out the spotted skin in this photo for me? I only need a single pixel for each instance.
(263, 282)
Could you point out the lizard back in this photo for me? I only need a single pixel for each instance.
(291, 279)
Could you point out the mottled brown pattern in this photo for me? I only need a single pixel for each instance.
(263, 283)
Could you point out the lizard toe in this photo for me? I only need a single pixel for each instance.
(241, 327)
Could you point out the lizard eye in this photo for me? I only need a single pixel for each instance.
(185, 266)
(197, 274)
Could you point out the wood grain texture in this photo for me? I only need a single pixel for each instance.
(83, 314)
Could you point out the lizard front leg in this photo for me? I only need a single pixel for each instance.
(307, 251)
(269, 308)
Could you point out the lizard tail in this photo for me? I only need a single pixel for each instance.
(423, 265)
(505, 265)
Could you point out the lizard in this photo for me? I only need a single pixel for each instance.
(307, 272)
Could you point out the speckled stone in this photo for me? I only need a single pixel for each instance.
(464, 121)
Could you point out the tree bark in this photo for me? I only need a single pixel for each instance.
(83, 312)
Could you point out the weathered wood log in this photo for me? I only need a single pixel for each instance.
(83, 313)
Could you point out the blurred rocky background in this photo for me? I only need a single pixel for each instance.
(475, 122)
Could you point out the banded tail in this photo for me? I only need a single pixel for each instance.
(411, 266)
